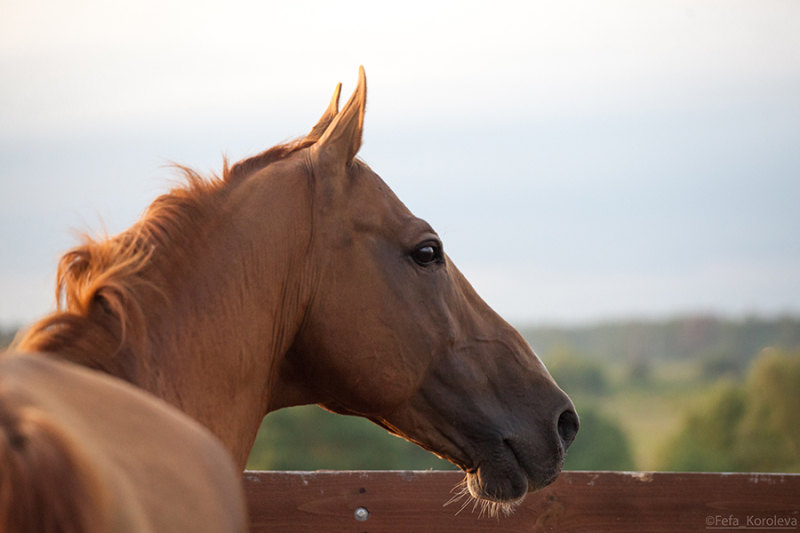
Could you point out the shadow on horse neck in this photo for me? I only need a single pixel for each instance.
(298, 277)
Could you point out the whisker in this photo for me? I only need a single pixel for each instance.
(460, 492)
(475, 504)
(457, 492)
(486, 508)
(464, 505)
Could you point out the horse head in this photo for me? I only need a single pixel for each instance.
(393, 332)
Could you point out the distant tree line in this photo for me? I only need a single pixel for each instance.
(724, 344)
(749, 426)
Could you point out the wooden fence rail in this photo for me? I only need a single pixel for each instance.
(578, 501)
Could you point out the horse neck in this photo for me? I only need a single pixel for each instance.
(236, 302)
(220, 300)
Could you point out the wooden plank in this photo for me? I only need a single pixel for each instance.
(577, 501)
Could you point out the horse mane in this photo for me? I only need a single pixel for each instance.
(101, 284)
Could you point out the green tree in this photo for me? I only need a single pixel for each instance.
(749, 427)
(708, 437)
(309, 438)
(769, 432)
(576, 374)
(600, 445)
(639, 370)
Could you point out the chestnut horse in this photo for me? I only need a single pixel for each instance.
(82, 452)
(298, 277)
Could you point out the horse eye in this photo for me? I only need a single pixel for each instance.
(427, 254)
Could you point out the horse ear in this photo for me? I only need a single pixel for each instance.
(327, 117)
(342, 138)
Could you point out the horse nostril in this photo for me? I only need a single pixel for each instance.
(568, 425)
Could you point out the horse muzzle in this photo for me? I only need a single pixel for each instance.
(513, 466)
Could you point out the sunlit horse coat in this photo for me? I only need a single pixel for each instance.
(298, 277)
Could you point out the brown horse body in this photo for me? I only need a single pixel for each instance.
(82, 452)
(299, 277)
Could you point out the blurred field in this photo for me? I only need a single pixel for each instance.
(651, 413)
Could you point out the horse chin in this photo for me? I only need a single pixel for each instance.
(486, 496)
(502, 485)
(485, 484)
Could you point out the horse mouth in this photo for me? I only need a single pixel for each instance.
(510, 474)
(500, 471)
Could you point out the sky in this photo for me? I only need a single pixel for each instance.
(582, 161)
